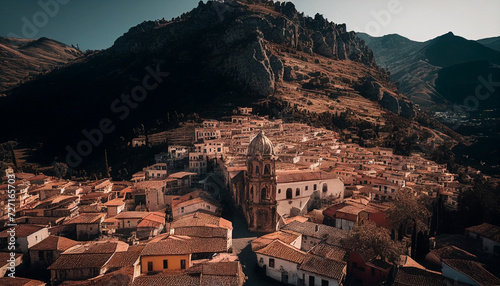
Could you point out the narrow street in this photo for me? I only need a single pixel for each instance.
(242, 238)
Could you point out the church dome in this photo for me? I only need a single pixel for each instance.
(260, 145)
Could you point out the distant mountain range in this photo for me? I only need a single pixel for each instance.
(22, 59)
(443, 70)
(492, 43)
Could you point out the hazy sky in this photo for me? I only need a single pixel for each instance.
(96, 24)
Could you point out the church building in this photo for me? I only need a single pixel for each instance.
(266, 195)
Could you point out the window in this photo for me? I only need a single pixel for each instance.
(257, 172)
(183, 263)
(267, 169)
(325, 188)
(263, 194)
(324, 282)
(208, 207)
(271, 262)
(182, 209)
(165, 264)
(311, 280)
(297, 192)
(289, 193)
(307, 188)
(315, 187)
(150, 266)
(279, 191)
(90, 228)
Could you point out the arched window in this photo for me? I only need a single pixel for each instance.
(325, 188)
(289, 193)
(257, 171)
(263, 194)
(297, 192)
(267, 169)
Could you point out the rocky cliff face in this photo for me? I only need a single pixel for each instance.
(375, 91)
(240, 39)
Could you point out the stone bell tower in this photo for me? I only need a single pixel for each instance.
(260, 210)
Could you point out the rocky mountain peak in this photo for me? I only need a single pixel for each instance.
(240, 37)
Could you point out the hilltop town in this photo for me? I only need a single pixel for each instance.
(249, 200)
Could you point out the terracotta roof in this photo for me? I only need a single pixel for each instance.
(154, 184)
(38, 177)
(329, 251)
(81, 261)
(4, 257)
(298, 218)
(131, 215)
(19, 281)
(286, 237)
(115, 202)
(302, 176)
(125, 258)
(412, 276)
(149, 224)
(281, 250)
(24, 176)
(152, 220)
(180, 175)
(221, 268)
(22, 230)
(453, 252)
(457, 240)
(220, 280)
(486, 230)
(474, 271)
(176, 245)
(184, 279)
(54, 243)
(324, 266)
(86, 218)
(98, 247)
(120, 277)
(201, 231)
(201, 219)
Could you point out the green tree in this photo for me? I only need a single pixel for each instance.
(370, 238)
(409, 211)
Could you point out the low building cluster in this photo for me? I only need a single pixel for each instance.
(300, 185)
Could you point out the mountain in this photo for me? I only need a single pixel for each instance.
(203, 64)
(492, 43)
(22, 59)
(425, 71)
